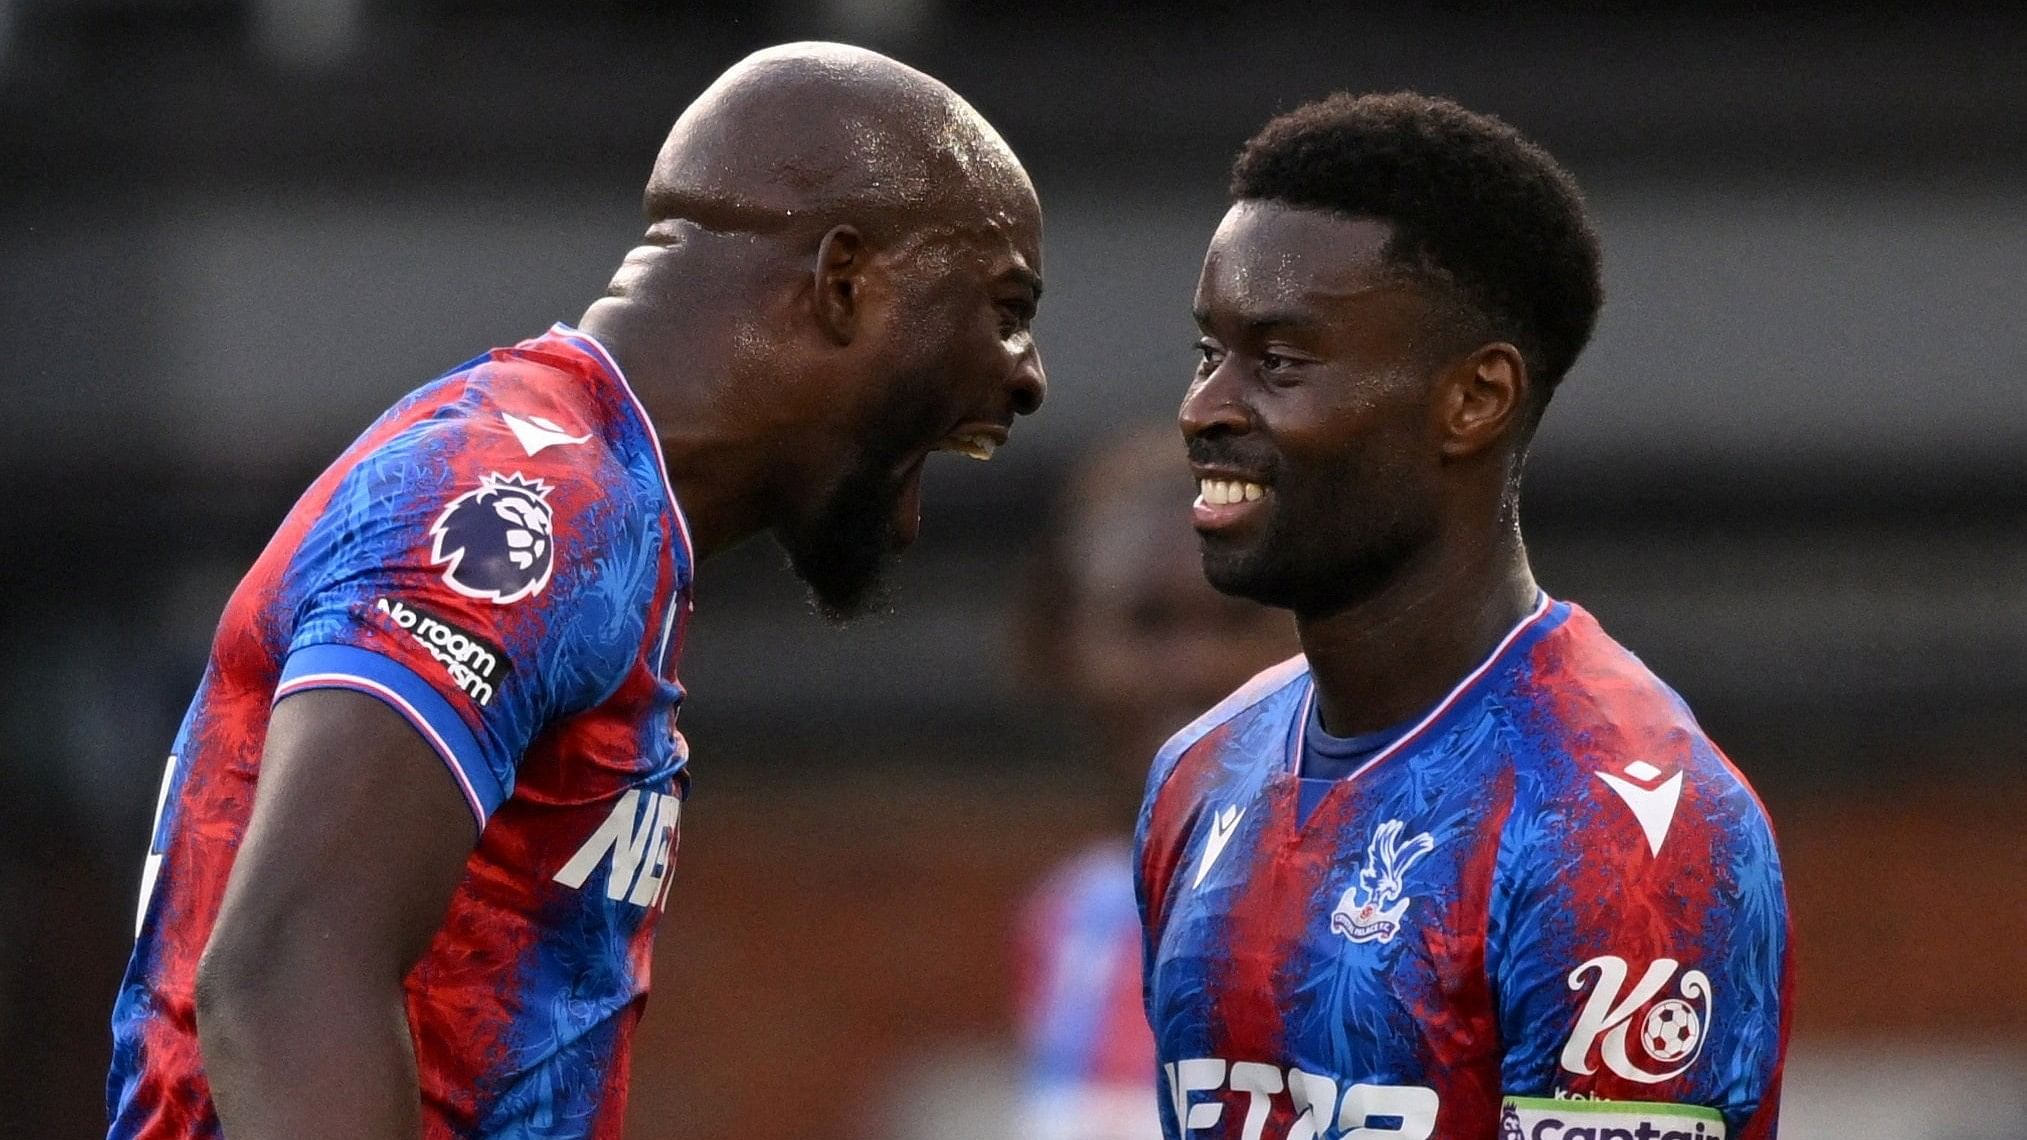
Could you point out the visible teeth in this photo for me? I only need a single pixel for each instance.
(979, 446)
(1224, 492)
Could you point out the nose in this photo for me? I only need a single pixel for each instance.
(1209, 407)
(1030, 383)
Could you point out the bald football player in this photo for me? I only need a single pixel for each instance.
(417, 826)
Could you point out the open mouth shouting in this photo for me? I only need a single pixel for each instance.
(974, 439)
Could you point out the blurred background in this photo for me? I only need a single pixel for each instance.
(1791, 472)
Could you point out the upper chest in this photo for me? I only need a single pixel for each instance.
(1410, 840)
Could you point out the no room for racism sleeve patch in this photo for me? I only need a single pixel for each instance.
(475, 665)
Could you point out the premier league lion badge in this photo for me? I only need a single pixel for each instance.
(496, 542)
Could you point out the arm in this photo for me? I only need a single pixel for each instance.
(358, 838)
(1643, 963)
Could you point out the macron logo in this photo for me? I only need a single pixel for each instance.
(1223, 826)
(536, 433)
(637, 846)
(1653, 804)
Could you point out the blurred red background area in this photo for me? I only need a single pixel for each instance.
(818, 941)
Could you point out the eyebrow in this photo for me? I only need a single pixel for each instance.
(1027, 277)
(1266, 319)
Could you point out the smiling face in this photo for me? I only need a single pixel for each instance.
(946, 361)
(1309, 421)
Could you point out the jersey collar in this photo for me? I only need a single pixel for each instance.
(587, 344)
(1545, 608)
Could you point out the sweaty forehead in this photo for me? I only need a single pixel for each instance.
(997, 213)
(1268, 261)
(1003, 247)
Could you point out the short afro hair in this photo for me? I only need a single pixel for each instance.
(1470, 202)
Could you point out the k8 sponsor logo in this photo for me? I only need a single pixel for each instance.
(1671, 1030)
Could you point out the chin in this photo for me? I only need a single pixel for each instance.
(847, 578)
(845, 603)
(1275, 577)
(844, 551)
(1248, 574)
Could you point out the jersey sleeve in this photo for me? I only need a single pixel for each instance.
(1638, 952)
(479, 591)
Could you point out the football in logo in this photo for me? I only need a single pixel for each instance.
(496, 542)
(1670, 1030)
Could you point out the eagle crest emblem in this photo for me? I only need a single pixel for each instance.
(1371, 910)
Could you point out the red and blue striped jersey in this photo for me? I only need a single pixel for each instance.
(1551, 909)
(500, 559)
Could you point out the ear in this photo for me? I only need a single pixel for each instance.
(839, 279)
(1482, 399)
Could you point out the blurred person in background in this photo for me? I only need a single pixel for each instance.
(1117, 621)
(1466, 861)
(418, 823)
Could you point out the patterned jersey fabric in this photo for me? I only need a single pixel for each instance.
(1552, 909)
(501, 561)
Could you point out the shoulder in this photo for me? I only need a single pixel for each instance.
(1607, 746)
(503, 421)
(520, 412)
(585, 440)
(502, 474)
(1273, 690)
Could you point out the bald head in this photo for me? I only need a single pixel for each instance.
(840, 275)
(810, 135)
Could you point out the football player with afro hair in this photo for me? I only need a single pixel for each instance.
(1465, 868)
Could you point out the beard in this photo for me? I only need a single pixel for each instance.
(844, 547)
(843, 551)
(1323, 546)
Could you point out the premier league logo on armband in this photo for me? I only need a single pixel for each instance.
(496, 542)
(1372, 910)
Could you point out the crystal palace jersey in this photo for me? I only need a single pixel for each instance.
(1551, 910)
(501, 561)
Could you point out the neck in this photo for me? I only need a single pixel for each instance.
(1388, 656)
(674, 327)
